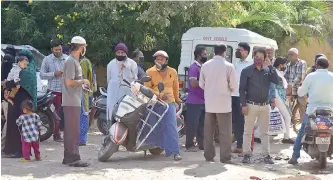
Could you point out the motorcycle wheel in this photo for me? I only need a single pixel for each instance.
(107, 150)
(47, 126)
(156, 151)
(322, 160)
(102, 125)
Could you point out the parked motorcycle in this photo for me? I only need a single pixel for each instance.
(317, 140)
(47, 114)
(104, 126)
(100, 114)
(182, 113)
(130, 126)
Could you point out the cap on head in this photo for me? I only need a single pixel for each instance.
(294, 50)
(121, 46)
(78, 40)
(161, 53)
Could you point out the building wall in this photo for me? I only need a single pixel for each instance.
(308, 52)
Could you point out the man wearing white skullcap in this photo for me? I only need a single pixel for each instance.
(295, 74)
(71, 102)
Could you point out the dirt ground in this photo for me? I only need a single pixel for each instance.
(134, 166)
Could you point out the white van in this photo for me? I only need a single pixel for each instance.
(209, 36)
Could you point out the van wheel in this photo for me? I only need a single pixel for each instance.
(156, 151)
(107, 149)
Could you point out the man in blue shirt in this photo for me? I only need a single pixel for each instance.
(319, 86)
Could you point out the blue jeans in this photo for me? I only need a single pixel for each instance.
(298, 143)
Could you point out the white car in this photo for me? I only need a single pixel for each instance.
(38, 57)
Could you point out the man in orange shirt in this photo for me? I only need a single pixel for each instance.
(161, 72)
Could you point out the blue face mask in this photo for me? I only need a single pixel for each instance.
(142, 59)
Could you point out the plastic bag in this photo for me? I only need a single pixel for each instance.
(276, 123)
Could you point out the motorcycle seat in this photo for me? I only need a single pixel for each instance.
(323, 112)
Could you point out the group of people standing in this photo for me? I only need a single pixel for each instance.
(65, 75)
(220, 94)
(241, 96)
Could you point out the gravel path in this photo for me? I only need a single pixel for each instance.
(134, 166)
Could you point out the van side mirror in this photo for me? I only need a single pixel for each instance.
(160, 87)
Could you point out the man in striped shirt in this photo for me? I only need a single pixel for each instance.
(51, 70)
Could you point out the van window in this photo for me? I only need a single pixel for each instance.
(210, 52)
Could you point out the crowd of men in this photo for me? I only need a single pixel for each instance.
(232, 97)
(237, 96)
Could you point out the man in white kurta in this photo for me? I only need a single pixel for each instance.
(218, 79)
(119, 69)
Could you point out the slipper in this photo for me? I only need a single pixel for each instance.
(78, 164)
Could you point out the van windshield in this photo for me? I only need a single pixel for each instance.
(210, 52)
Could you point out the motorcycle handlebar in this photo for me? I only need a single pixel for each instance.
(128, 83)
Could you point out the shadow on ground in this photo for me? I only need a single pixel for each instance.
(193, 164)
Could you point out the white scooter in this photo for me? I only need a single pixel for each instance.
(131, 115)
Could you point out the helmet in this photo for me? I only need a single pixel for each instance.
(78, 40)
(161, 53)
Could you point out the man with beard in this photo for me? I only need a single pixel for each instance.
(245, 60)
(51, 71)
(195, 103)
(118, 69)
(71, 102)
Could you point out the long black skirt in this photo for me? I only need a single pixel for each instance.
(13, 137)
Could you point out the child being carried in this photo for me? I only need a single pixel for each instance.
(13, 79)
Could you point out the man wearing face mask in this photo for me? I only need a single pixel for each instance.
(244, 61)
(139, 59)
(195, 102)
(51, 71)
(161, 72)
(118, 69)
(253, 89)
(71, 101)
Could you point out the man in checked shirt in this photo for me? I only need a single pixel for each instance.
(295, 74)
(51, 71)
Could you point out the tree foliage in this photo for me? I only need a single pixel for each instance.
(152, 25)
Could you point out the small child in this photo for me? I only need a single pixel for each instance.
(13, 78)
(31, 125)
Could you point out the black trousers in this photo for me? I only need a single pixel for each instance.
(237, 121)
(195, 125)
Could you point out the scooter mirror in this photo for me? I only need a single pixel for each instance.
(160, 87)
(146, 79)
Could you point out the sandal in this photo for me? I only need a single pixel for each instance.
(177, 157)
(78, 163)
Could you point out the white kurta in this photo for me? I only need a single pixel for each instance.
(116, 72)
